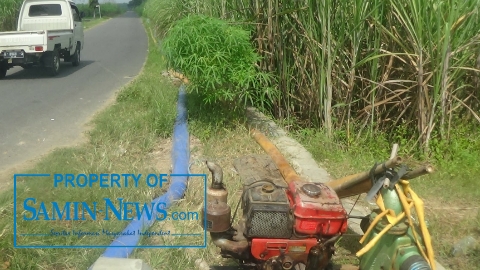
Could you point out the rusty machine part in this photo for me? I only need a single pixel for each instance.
(285, 169)
(230, 246)
(218, 211)
(356, 179)
(427, 169)
(367, 183)
(217, 191)
(218, 217)
(359, 183)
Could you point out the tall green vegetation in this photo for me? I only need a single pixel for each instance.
(8, 14)
(219, 61)
(107, 9)
(362, 66)
(164, 13)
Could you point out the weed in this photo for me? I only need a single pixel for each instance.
(219, 61)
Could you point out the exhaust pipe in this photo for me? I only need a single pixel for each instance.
(217, 175)
(217, 191)
(220, 240)
(218, 212)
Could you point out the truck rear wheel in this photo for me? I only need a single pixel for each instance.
(54, 63)
(3, 73)
(76, 56)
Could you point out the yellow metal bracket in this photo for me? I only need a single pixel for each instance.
(409, 199)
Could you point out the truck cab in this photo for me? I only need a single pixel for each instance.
(47, 31)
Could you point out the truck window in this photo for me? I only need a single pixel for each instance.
(76, 17)
(45, 10)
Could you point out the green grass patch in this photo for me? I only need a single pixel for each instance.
(120, 141)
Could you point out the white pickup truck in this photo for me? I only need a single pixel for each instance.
(47, 31)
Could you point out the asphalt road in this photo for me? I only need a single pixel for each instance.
(39, 113)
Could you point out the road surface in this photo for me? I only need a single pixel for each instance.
(39, 113)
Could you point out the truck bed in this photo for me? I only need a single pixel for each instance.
(28, 40)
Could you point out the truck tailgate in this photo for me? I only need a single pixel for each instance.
(22, 40)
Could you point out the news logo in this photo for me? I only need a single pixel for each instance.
(46, 220)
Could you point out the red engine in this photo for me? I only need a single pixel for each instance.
(283, 226)
(317, 209)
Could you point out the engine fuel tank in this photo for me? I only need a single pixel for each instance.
(317, 209)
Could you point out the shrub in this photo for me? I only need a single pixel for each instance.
(219, 61)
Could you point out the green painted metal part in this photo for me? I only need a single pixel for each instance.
(394, 247)
(391, 200)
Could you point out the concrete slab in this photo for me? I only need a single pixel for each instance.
(300, 159)
(104, 263)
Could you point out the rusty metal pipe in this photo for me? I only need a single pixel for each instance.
(234, 246)
(354, 179)
(365, 186)
(427, 169)
(360, 188)
(282, 164)
(217, 175)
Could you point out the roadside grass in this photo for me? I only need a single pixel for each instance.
(451, 194)
(91, 22)
(121, 140)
